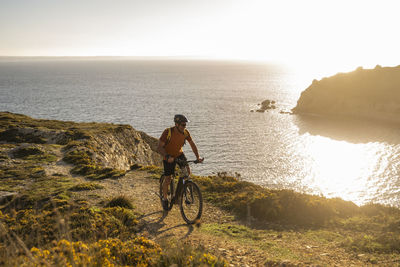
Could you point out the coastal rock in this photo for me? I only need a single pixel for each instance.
(266, 105)
(363, 93)
(110, 145)
(125, 147)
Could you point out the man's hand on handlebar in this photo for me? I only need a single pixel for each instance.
(199, 160)
(170, 159)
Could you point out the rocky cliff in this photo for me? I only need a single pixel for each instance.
(97, 144)
(366, 93)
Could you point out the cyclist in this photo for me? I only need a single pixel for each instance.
(170, 147)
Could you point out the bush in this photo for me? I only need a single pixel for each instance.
(285, 206)
(120, 201)
(111, 252)
(86, 187)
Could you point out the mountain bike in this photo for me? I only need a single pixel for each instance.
(187, 194)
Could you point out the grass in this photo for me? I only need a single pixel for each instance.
(85, 165)
(86, 187)
(121, 201)
(34, 154)
(177, 254)
(250, 201)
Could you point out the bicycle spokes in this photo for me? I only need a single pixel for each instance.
(188, 195)
(191, 203)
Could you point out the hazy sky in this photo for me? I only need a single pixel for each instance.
(332, 32)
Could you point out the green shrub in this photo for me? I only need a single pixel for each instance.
(265, 205)
(34, 154)
(16, 136)
(121, 201)
(78, 157)
(86, 187)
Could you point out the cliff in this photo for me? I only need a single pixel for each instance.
(106, 145)
(363, 93)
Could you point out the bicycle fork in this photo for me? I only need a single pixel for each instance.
(188, 193)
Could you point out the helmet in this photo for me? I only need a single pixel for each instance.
(178, 118)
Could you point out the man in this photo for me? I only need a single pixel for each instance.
(170, 147)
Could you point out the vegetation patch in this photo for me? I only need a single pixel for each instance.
(252, 202)
(153, 169)
(86, 187)
(177, 254)
(111, 252)
(38, 227)
(121, 201)
(23, 152)
(85, 165)
(19, 176)
(35, 154)
(15, 135)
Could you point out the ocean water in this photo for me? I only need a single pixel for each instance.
(351, 159)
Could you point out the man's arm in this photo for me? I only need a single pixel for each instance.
(195, 151)
(161, 150)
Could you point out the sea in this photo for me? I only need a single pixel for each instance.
(355, 160)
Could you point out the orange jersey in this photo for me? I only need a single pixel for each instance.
(175, 144)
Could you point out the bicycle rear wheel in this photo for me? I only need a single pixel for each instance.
(170, 191)
(191, 202)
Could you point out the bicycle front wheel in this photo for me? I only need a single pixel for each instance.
(191, 202)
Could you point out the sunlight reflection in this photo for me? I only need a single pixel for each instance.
(343, 169)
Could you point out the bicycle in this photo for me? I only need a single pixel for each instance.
(187, 195)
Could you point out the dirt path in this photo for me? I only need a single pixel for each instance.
(163, 227)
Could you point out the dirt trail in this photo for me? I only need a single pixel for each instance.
(160, 226)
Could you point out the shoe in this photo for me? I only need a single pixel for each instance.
(165, 204)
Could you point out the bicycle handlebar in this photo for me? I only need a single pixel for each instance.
(187, 161)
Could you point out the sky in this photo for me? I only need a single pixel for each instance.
(335, 33)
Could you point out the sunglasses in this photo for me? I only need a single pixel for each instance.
(183, 124)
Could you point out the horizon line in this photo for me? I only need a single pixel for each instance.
(199, 58)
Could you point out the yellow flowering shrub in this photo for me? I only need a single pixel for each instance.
(39, 227)
(111, 252)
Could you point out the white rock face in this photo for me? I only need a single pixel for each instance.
(125, 147)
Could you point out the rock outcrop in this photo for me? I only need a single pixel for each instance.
(363, 93)
(266, 105)
(110, 145)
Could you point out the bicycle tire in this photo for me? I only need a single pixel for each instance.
(191, 202)
(169, 194)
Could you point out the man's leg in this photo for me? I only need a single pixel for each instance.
(167, 181)
(169, 169)
(188, 169)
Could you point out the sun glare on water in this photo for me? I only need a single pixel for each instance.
(341, 168)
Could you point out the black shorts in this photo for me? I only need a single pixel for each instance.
(169, 168)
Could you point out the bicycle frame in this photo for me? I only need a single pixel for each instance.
(178, 194)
